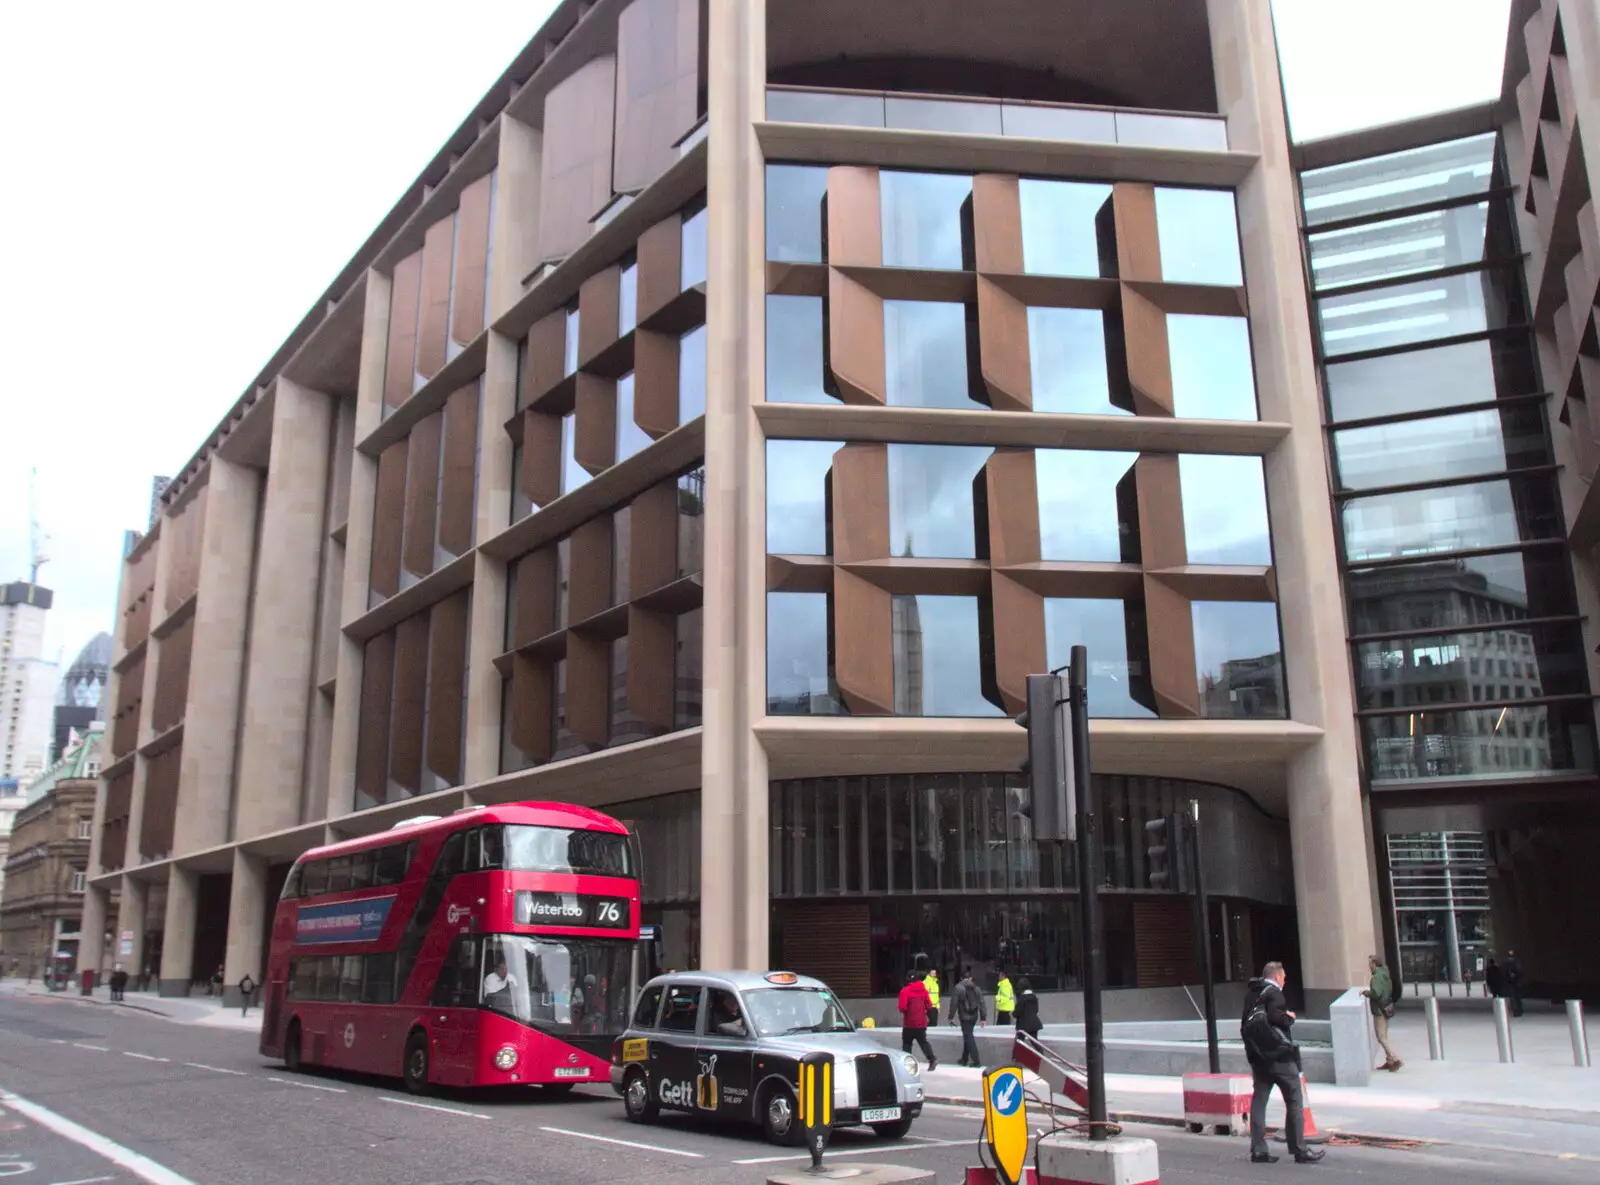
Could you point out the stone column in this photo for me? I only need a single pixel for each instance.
(177, 943)
(272, 754)
(1332, 880)
(733, 832)
(130, 921)
(92, 929)
(247, 922)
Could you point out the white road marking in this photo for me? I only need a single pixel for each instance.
(144, 1057)
(562, 1131)
(383, 1098)
(141, 1166)
(308, 1085)
(96, 1048)
(84, 1181)
(214, 1069)
(853, 1152)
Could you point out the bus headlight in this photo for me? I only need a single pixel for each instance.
(910, 1063)
(505, 1058)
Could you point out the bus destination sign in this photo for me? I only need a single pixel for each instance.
(572, 909)
(342, 921)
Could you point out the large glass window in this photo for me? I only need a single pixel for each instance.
(797, 513)
(1452, 518)
(1239, 659)
(922, 219)
(1213, 377)
(557, 985)
(1198, 233)
(1114, 632)
(925, 354)
(1472, 590)
(794, 350)
(1414, 177)
(1436, 377)
(1517, 662)
(692, 243)
(1508, 742)
(569, 354)
(1440, 448)
(930, 499)
(559, 849)
(937, 670)
(1061, 234)
(799, 673)
(630, 437)
(686, 668)
(1423, 242)
(1444, 306)
(1068, 362)
(692, 375)
(795, 195)
(628, 298)
(573, 475)
(1224, 510)
(1088, 511)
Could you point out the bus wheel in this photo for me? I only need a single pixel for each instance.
(416, 1066)
(780, 1121)
(291, 1048)
(636, 1100)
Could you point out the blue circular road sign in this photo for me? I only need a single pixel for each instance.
(1005, 1093)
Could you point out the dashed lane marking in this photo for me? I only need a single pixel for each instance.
(563, 1131)
(141, 1166)
(84, 1181)
(383, 1098)
(144, 1057)
(308, 1085)
(96, 1048)
(215, 1069)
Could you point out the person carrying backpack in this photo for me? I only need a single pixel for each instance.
(1274, 1061)
(1380, 998)
(969, 1010)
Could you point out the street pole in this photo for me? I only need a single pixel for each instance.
(1202, 905)
(1088, 891)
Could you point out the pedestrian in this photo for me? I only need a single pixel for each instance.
(1005, 998)
(1274, 1061)
(968, 1009)
(931, 982)
(247, 987)
(1512, 972)
(914, 1018)
(1494, 978)
(215, 987)
(119, 981)
(1027, 1009)
(1380, 998)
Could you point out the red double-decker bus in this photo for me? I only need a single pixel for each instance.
(491, 947)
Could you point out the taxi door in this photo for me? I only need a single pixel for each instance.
(674, 1061)
(726, 1054)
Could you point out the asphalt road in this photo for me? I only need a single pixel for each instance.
(205, 1108)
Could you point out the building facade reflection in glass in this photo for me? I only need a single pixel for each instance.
(937, 668)
(922, 219)
(1239, 659)
(1119, 660)
(930, 500)
(925, 355)
(799, 672)
(797, 511)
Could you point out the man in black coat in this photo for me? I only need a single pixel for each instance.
(1274, 1061)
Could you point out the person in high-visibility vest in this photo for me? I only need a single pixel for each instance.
(1005, 999)
(931, 982)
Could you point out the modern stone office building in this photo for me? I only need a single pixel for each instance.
(736, 410)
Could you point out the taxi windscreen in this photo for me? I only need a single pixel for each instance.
(779, 1012)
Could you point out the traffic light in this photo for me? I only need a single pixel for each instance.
(1052, 791)
(1160, 835)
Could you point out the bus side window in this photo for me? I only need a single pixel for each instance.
(361, 870)
(377, 979)
(316, 878)
(350, 980)
(339, 874)
(389, 865)
(295, 966)
(457, 985)
(291, 885)
(644, 1014)
(492, 850)
(451, 857)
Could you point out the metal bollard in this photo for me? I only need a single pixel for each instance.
(1430, 1010)
(1580, 1039)
(1502, 1029)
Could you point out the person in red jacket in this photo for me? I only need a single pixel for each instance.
(914, 1005)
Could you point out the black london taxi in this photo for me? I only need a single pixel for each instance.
(729, 1044)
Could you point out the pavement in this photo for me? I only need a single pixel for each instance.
(174, 1092)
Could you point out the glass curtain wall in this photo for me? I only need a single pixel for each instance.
(1467, 657)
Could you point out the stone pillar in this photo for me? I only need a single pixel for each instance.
(92, 929)
(218, 661)
(272, 754)
(130, 922)
(1333, 886)
(177, 943)
(357, 552)
(733, 831)
(247, 921)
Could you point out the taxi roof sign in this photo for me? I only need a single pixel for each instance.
(1005, 1121)
(782, 977)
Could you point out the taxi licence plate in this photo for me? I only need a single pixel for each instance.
(578, 1072)
(880, 1114)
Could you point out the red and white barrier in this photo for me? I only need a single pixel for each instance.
(1076, 1160)
(1031, 1055)
(1219, 1102)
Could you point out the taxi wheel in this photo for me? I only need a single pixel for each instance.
(416, 1063)
(898, 1130)
(636, 1100)
(780, 1119)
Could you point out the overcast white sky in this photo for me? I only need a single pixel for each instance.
(180, 180)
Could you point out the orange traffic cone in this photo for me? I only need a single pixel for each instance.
(1312, 1134)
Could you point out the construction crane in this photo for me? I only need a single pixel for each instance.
(38, 541)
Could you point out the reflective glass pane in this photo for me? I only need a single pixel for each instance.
(692, 260)
(1517, 662)
(941, 115)
(922, 218)
(569, 356)
(1067, 360)
(930, 500)
(691, 521)
(1059, 234)
(936, 664)
(1471, 590)
(1213, 377)
(1224, 510)
(847, 110)
(630, 437)
(1057, 123)
(573, 474)
(799, 677)
(628, 299)
(1412, 243)
(623, 727)
(1454, 518)
(1199, 236)
(1484, 743)
(925, 354)
(797, 514)
(1444, 306)
(794, 212)
(1400, 179)
(1443, 447)
(1239, 659)
(1119, 675)
(692, 375)
(621, 554)
(686, 670)
(1088, 509)
(1438, 377)
(794, 350)
(1171, 131)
